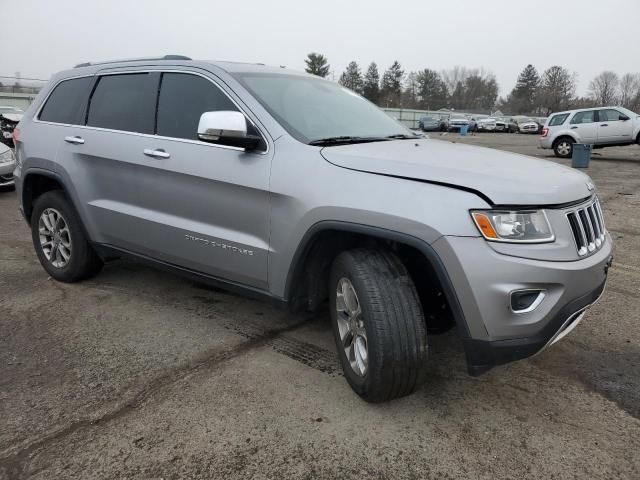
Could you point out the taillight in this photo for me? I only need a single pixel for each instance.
(545, 131)
(16, 135)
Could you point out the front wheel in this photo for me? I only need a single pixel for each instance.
(59, 240)
(378, 324)
(563, 147)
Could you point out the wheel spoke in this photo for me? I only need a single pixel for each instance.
(351, 330)
(65, 238)
(347, 339)
(53, 221)
(350, 298)
(46, 222)
(64, 252)
(54, 252)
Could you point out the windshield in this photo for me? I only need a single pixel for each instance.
(312, 109)
(628, 112)
(429, 119)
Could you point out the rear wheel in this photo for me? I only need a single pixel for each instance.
(563, 147)
(378, 324)
(59, 240)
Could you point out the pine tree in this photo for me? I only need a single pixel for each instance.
(522, 98)
(352, 78)
(371, 85)
(432, 90)
(391, 85)
(317, 64)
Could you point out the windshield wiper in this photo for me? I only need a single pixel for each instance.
(403, 136)
(344, 140)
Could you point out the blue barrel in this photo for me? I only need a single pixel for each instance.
(464, 129)
(581, 155)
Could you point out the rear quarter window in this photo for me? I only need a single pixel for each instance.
(67, 102)
(558, 120)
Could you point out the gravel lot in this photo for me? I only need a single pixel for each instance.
(141, 374)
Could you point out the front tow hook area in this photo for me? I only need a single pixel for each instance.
(607, 265)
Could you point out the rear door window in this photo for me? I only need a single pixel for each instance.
(584, 117)
(183, 99)
(124, 102)
(67, 102)
(558, 120)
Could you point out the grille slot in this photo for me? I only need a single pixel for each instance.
(587, 226)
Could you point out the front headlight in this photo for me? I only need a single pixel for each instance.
(6, 157)
(524, 226)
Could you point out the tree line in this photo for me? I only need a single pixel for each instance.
(471, 89)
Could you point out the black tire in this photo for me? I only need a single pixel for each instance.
(563, 147)
(638, 139)
(83, 261)
(396, 333)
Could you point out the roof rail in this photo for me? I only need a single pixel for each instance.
(166, 57)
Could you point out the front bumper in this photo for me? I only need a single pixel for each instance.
(6, 173)
(483, 281)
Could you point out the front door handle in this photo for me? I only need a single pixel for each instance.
(75, 140)
(158, 153)
(604, 124)
(573, 128)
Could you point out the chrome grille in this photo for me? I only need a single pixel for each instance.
(587, 225)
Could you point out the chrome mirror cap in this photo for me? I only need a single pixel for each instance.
(224, 124)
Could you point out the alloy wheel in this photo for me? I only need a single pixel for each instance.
(353, 335)
(55, 237)
(564, 148)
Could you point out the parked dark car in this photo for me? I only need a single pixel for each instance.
(511, 125)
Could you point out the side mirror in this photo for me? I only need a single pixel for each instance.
(624, 118)
(227, 128)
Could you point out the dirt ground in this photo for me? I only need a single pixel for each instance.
(141, 374)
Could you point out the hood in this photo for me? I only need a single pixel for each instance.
(528, 124)
(12, 117)
(504, 178)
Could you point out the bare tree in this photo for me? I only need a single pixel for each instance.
(557, 89)
(456, 75)
(604, 88)
(630, 90)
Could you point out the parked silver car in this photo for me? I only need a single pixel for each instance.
(289, 187)
(430, 124)
(7, 165)
(600, 127)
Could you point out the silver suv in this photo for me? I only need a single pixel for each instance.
(600, 127)
(295, 189)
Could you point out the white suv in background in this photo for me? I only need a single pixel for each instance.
(600, 127)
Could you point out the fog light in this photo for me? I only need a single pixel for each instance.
(525, 301)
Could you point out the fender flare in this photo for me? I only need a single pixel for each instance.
(69, 192)
(384, 234)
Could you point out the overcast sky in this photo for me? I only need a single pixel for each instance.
(40, 37)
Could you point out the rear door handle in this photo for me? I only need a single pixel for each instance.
(604, 124)
(573, 128)
(158, 153)
(75, 140)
